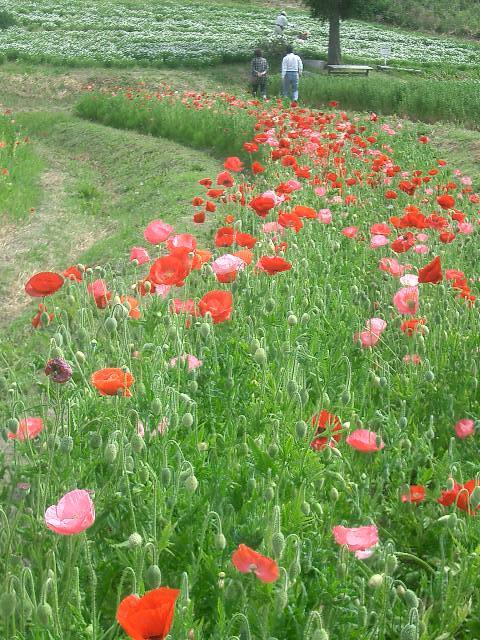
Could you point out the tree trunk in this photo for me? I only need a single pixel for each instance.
(334, 51)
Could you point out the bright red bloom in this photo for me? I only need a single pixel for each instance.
(446, 201)
(325, 422)
(431, 272)
(262, 205)
(245, 240)
(412, 326)
(171, 270)
(73, 273)
(391, 195)
(416, 493)
(224, 237)
(257, 168)
(304, 212)
(290, 220)
(149, 617)
(273, 264)
(37, 318)
(43, 284)
(219, 304)
(112, 380)
(403, 243)
(233, 164)
(446, 237)
(247, 560)
(225, 179)
(459, 495)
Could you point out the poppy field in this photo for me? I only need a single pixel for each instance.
(266, 428)
(194, 34)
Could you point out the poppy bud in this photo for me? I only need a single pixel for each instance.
(110, 453)
(409, 632)
(475, 497)
(411, 599)
(156, 406)
(191, 484)
(294, 570)
(251, 484)
(95, 440)
(135, 541)
(230, 382)
(278, 544)
(12, 425)
(193, 386)
(153, 577)
(320, 634)
(137, 443)
(3, 383)
(8, 604)
(220, 542)
(281, 599)
(187, 420)
(429, 376)
(204, 330)
(301, 429)
(303, 396)
(292, 320)
(80, 357)
(376, 581)
(234, 591)
(272, 450)
(402, 423)
(269, 494)
(66, 444)
(292, 388)
(305, 318)
(305, 508)
(334, 495)
(44, 319)
(260, 356)
(391, 563)
(270, 305)
(143, 474)
(44, 614)
(166, 476)
(254, 345)
(317, 507)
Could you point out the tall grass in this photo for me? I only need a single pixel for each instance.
(219, 130)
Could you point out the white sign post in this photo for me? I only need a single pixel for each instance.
(385, 53)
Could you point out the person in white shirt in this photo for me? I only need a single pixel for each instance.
(292, 69)
(280, 23)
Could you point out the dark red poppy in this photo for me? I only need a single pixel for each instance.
(224, 237)
(459, 495)
(225, 179)
(44, 284)
(219, 304)
(431, 272)
(325, 422)
(446, 201)
(149, 617)
(262, 205)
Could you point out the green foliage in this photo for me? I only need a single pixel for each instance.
(6, 20)
(361, 9)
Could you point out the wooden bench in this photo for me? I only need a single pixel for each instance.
(386, 67)
(348, 69)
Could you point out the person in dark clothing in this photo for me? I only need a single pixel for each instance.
(259, 70)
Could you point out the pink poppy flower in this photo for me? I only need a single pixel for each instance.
(422, 237)
(182, 243)
(365, 441)
(466, 180)
(162, 425)
(320, 191)
(465, 428)
(391, 266)
(358, 539)
(350, 232)
(192, 361)
(421, 249)
(406, 300)
(72, 514)
(140, 255)
(273, 227)
(409, 280)
(378, 241)
(294, 184)
(465, 228)
(140, 429)
(412, 359)
(324, 216)
(271, 194)
(227, 265)
(184, 306)
(28, 428)
(371, 335)
(163, 290)
(157, 232)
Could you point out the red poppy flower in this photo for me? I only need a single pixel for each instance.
(446, 201)
(459, 495)
(205, 182)
(171, 270)
(380, 228)
(73, 273)
(43, 284)
(446, 237)
(273, 264)
(247, 560)
(149, 617)
(416, 493)
(199, 217)
(412, 326)
(257, 168)
(233, 164)
(225, 179)
(245, 240)
(403, 243)
(290, 220)
(215, 193)
(431, 272)
(210, 206)
(262, 205)
(250, 147)
(326, 423)
(224, 237)
(37, 318)
(304, 212)
(391, 195)
(112, 380)
(101, 295)
(219, 304)
(197, 201)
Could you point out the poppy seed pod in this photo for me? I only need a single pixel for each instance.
(411, 599)
(409, 632)
(260, 356)
(278, 544)
(191, 484)
(8, 604)
(135, 541)
(110, 453)
(44, 614)
(153, 577)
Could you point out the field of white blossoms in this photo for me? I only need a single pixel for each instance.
(185, 32)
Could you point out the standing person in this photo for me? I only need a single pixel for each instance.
(280, 23)
(259, 70)
(292, 69)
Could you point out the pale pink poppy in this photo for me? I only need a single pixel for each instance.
(28, 428)
(98, 288)
(465, 227)
(465, 428)
(72, 514)
(140, 428)
(162, 290)
(320, 191)
(457, 172)
(184, 306)
(466, 180)
(350, 232)
(412, 359)
(428, 191)
(140, 255)
(371, 335)
(183, 242)
(157, 232)
(365, 441)
(192, 361)
(406, 300)
(409, 280)
(162, 425)
(391, 266)
(336, 200)
(325, 216)
(422, 237)
(271, 194)
(405, 174)
(357, 539)
(273, 227)
(227, 264)
(422, 249)
(378, 241)
(295, 185)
